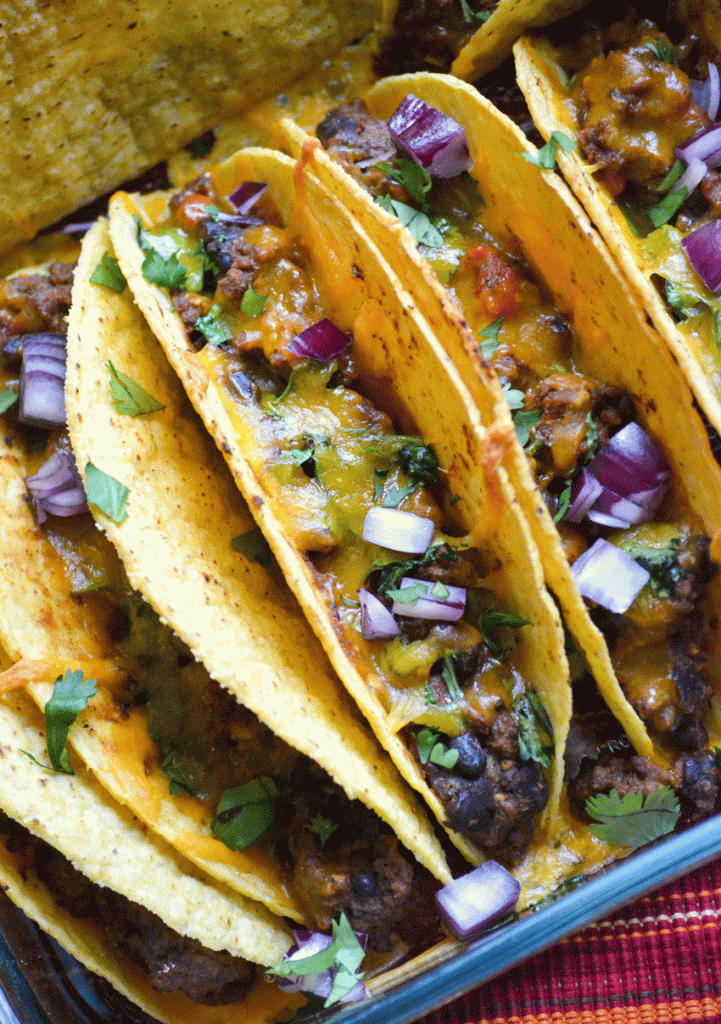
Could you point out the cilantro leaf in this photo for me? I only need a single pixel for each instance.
(428, 697)
(70, 696)
(490, 621)
(535, 731)
(673, 175)
(513, 396)
(277, 399)
(255, 802)
(408, 595)
(170, 272)
(676, 299)
(443, 757)
(254, 546)
(212, 326)
(379, 478)
(109, 274)
(564, 501)
(547, 154)
(8, 398)
(392, 573)
(523, 420)
(471, 16)
(252, 303)
(172, 767)
(663, 211)
(451, 680)
(490, 333)
(345, 953)
(414, 179)
(418, 223)
(661, 563)
(396, 495)
(418, 462)
(664, 52)
(593, 441)
(322, 827)
(632, 821)
(106, 493)
(426, 740)
(128, 397)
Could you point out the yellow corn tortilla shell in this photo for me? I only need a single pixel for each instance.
(539, 80)
(238, 619)
(95, 93)
(533, 210)
(115, 852)
(395, 346)
(492, 43)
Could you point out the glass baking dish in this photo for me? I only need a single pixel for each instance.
(43, 985)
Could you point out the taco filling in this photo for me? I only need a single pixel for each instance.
(363, 504)
(157, 708)
(638, 553)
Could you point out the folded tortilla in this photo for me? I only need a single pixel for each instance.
(96, 93)
(363, 296)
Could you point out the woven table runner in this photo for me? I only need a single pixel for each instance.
(656, 960)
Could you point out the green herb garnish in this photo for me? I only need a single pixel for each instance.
(106, 493)
(345, 953)
(471, 16)
(547, 154)
(322, 827)
(128, 397)
(535, 731)
(390, 575)
(414, 179)
(664, 52)
(8, 398)
(523, 421)
(252, 303)
(70, 696)
(630, 820)
(490, 621)
(255, 802)
(451, 680)
(254, 546)
(418, 462)
(408, 595)
(418, 223)
(109, 274)
(170, 272)
(212, 326)
(490, 333)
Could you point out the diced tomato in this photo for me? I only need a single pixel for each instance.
(192, 209)
(496, 282)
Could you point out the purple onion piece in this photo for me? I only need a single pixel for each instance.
(42, 399)
(376, 621)
(430, 138)
(246, 220)
(56, 488)
(78, 228)
(607, 575)
(428, 606)
(629, 462)
(621, 508)
(714, 91)
(246, 195)
(692, 176)
(398, 531)
(322, 341)
(703, 248)
(701, 145)
(470, 903)
(585, 491)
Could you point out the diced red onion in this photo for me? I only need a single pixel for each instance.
(430, 138)
(585, 491)
(706, 94)
(373, 160)
(322, 341)
(629, 462)
(56, 488)
(428, 606)
(42, 381)
(470, 903)
(703, 248)
(246, 195)
(376, 621)
(607, 575)
(399, 531)
(621, 509)
(308, 944)
(701, 145)
(78, 228)
(692, 176)
(714, 160)
(649, 500)
(246, 220)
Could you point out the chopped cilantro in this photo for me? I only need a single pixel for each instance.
(299, 456)
(593, 441)
(490, 333)
(213, 212)
(451, 680)
(255, 802)
(254, 546)
(564, 501)
(673, 175)
(345, 953)
(661, 563)
(490, 621)
(429, 698)
(348, 602)
(663, 211)
(513, 396)
(414, 179)
(454, 500)
(535, 732)
(322, 827)
(396, 495)
(418, 462)
(106, 493)
(128, 397)
(630, 820)
(70, 696)
(471, 16)
(523, 421)
(439, 590)
(430, 748)
(277, 399)
(252, 303)
(212, 326)
(109, 274)
(379, 478)
(8, 398)
(170, 272)
(547, 154)
(408, 595)
(676, 300)
(391, 574)
(418, 223)
(664, 52)
(171, 767)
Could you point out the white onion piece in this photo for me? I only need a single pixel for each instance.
(398, 531)
(376, 621)
(471, 902)
(586, 489)
(428, 606)
(430, 138)
(714, 91)
(701, 145)
(607, 575)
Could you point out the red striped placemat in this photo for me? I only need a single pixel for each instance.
(656, 961)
